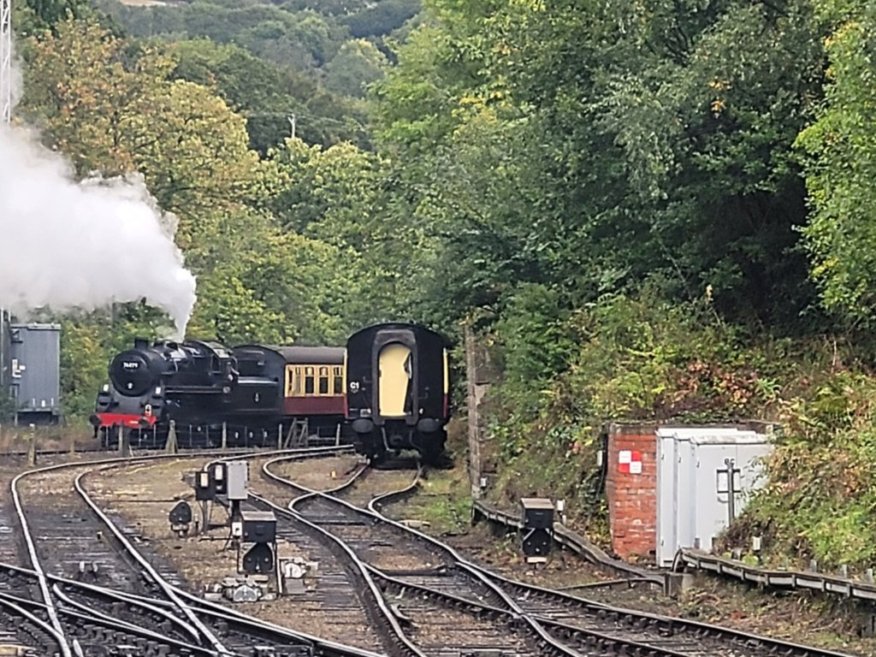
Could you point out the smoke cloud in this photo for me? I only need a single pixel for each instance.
(66, 244)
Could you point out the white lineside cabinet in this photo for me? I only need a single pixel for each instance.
(692, 483)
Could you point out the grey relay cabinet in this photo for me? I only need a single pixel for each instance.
(704, 476)
(30, 370)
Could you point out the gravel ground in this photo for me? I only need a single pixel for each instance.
(11, 466)
(143, 495)
(317, 474)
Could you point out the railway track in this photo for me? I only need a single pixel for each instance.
(390, 587)
(344, 591)
(144, 612)
(437, 624)
(574, 625)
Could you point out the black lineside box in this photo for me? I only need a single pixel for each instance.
(538, 513)
(259, 526)
(204, 490)
(537, 544)
(219, 477)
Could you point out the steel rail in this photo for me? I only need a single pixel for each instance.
(35, 563)
(767, 644)
(478, 608)
(205, 607)
(519, 613)
(91, 613)
(156, 607)
(361, 566)
(388, 615)
(31, 546)
(325, 646)
(156, 577)
(21, 611)
(210, 609)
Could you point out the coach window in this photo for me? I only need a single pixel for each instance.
(323, 380)
(296, 382)
(338, 378)
(308, 381)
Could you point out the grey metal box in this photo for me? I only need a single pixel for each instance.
(34, 369)
(4, 352)
(237, 479)
(692, 500)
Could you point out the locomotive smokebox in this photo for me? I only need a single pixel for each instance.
(538, 528)
(134, 372)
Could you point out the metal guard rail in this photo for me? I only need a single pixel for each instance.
(690, 558)
(785, 579)
(575, 543)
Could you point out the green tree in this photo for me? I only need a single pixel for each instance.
(49, 12)
(841, 165)
(357, 64)
(622, 145)
(118, 109)
(269, 95)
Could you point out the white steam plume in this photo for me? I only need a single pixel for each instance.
(66, 244)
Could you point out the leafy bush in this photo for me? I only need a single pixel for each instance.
(820, 496)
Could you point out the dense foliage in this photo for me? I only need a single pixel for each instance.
(655, 210)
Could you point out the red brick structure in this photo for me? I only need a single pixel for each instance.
(631, 489)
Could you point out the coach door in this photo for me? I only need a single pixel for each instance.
(394, 379)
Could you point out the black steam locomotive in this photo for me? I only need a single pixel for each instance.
(387, 390)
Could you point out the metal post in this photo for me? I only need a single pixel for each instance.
(279, 436)
(731, 489)
(2, 351)
(224, 435)
(474, 442)
(124, 443)
(5, 62)
(32, 450)
(170, 446)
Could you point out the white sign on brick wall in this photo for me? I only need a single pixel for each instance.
(629, 461)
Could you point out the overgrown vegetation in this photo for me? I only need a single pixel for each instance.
(624, 359)
(658, 210)
(820, 495)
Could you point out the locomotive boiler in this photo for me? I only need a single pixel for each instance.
(247, 395)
